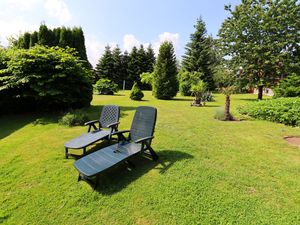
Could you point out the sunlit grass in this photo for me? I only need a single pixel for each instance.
(209, 172)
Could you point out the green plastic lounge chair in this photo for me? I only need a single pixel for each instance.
(109, 119)
(138, 141)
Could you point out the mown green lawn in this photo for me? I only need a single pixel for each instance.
(209, 172)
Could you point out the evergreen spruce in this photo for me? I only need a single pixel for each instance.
(105, 66)
(136, 93)
(79, 42)
(199, 55)
(26, 40)
(117, 73)
(66, 37)
(150, 59)
(133, 67)
(165, 84)
(44, 35)
(33, 39)
(124, 68)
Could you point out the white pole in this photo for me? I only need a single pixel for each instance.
(123, 85)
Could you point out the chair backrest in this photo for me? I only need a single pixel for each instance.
(143, 123)
(109, 114)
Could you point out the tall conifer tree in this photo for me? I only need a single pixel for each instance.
(199, 55)
(165, 85)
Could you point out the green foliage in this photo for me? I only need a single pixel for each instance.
(74, 118)
(165, 84)
(220, 114)
(281, 110)
(47, 78)
(200, 55)
(60, 36)
(186, 79)
(198, 89)
(147, 78)
(106, 87)
(136, 93)
(288, 87)
(117, 67)
(263, 37)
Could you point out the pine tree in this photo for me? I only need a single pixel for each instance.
(133, 67)
(26, 40)
(33, 39)
(125, 75)
(117, 74)
(56, 34)
(44, 35)
(165, 84)
(79, 42)
(150, 59)
(105, 66)
(66, 37)
(199, 55)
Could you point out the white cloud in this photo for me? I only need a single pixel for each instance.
(14, 28)
(129, 41)
(166, 36)
(96, 48)
(58, 9)
(28, 5)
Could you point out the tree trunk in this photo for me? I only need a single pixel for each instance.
(227, 108)
(260, 92)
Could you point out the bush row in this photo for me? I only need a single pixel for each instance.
(281, 110)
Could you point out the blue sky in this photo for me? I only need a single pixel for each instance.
(126, 23)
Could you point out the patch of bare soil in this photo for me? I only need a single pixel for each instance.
(293, 140)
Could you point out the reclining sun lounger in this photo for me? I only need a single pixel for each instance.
(138, 141)
(109, 119)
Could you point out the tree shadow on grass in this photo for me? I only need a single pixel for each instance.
(13, 122)
(119, 177)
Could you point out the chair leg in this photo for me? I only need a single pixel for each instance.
(84, 150)
(153, 154)
(66, 153)
(79, 178)
(130, 164)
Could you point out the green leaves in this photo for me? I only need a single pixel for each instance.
(51, 78)
(259, 34)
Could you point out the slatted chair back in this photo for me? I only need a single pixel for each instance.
(143, 123)
(109, 114)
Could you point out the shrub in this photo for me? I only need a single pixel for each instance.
(74, 118)
(106, 87)
(44, 78)
(136, 93)
(220, 114)
(186, 80)
(288, 87)
(280, 110)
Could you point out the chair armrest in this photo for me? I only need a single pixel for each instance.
(120, 132)
(113, 124)
(91, 122)
(143, 139)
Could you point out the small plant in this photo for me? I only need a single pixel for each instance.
(136, 93)
(220, 114)
(198, 91)
(106, 87)
(74, 118)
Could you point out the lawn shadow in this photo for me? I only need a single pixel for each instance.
(249, 99)
(182, 99)
(121, 176)
(13, 122)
